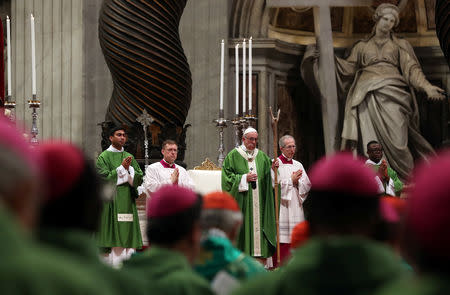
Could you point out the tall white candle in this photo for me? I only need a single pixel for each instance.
(243, 76)
(8, 52)
(250, 75)
(236, 62)
(33, 57)
(222, 57)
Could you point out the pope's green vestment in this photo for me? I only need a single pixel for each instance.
(259, 225)
(168, 271)
(126, 232)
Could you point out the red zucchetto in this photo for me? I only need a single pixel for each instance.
(341, 173)
(428, 217)
(12, 139)
(220, 200)
(62, 165)
(169, 200)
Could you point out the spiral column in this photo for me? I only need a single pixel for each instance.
(142, 48)
(442, 17)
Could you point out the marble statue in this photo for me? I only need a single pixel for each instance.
(378, 80)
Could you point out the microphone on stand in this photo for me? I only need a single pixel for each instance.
(253, 183)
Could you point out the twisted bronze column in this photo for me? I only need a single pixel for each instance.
(142, 48)
(442, 18)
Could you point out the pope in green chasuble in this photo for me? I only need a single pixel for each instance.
(242, 166)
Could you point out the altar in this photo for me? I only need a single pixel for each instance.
(207, 177)
(206, 181)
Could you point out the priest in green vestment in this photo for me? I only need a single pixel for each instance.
(246, 176)
(173, 231)
(386, 178)
(119, 229)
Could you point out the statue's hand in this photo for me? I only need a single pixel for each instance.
(312, 51)
(435, 93)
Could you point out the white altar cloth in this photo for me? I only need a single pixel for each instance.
(206, 181)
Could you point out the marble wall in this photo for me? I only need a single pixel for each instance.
(59, 67)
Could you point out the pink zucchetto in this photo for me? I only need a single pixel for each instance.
(12, 139)
(428, 217)
(62, 165)
(341, 173)
(170, 200)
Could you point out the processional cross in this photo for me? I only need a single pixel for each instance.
(327, 80)
(146, 120)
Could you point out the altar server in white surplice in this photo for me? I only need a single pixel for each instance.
(166, 171)
(294, 187)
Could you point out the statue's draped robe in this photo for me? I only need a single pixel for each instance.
(380, 103)
(258, 232)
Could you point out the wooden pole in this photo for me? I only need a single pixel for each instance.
(275, 156)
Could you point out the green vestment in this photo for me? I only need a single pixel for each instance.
(423, 284)
(351, 266)
(28, 268)
(81, 246)
(126, 232)
(168, 271)
(219, 254)
(262, 229)
(398, 184)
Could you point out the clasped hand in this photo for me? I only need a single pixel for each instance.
(382, 170)
(174, 176)
(252, 177)
(126, 162)
(296, 175)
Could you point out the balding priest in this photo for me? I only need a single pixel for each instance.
(246, 176)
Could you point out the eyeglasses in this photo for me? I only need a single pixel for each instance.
(290, 147)
(252, 138)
